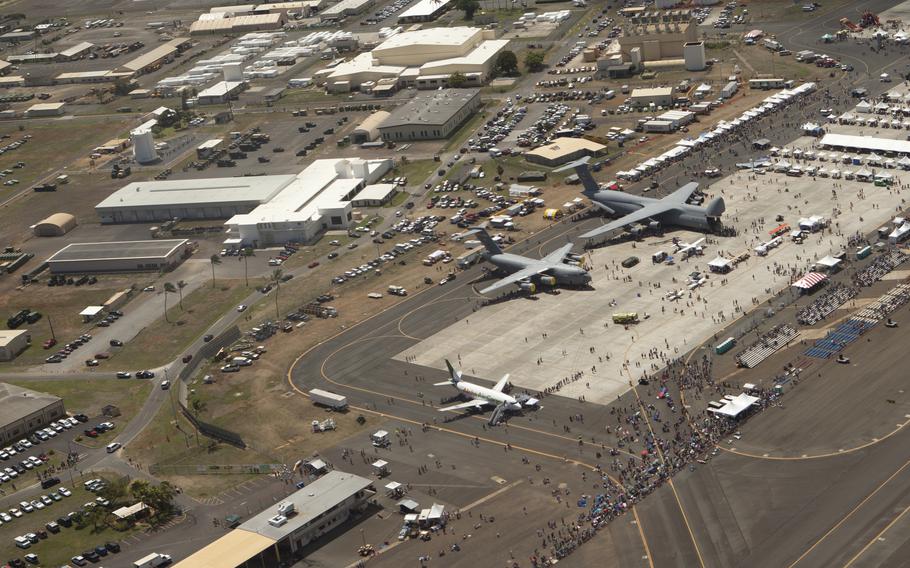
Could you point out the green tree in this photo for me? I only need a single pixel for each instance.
(276, 277)
(457, 80)
(122, 87)
(115, 491)
(181, 284)
(534, 61)
(506, 64)
(97, 516)
(168, 289)
(198, 405)
(214, 259)
(469, 7)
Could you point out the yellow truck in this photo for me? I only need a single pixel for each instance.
(630, 317)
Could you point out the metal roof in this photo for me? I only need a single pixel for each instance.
(158, 248)
(229, 551)
(155, 55)
(310, 503)
(251, 190)
(76, 49)
(565, 146)
(18, 402)
(430, 108)
(424, 8)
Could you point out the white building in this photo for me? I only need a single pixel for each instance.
(421, 58)
(424, 11)
(261, 210)
(317, 199)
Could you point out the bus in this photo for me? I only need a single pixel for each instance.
(725, 345)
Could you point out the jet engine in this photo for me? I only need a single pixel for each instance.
(548, 280)
(528, 287)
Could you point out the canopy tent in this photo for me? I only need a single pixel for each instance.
(810, 281)
(720, 264)
(829, 263)
(734, 406)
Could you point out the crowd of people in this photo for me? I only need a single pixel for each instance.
(882, 265)
(836, 296)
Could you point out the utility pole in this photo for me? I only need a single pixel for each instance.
(246, 275)
(51, 324)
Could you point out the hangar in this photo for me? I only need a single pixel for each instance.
(564, 150)
(260, 210)
(26, 410)
(283, 529)
(369, 128)
(119, 256)
(422, 58)
(13, 342)
(56, 225)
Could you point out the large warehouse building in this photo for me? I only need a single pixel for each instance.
(260, 210)
(424, 59)
(564, 150)
(12, 343)
(280, 531)
(430, 116)
(24, 411)
(119, 256)
(658, 41)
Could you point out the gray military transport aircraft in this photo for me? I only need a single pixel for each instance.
(529, 273)
(633, 209)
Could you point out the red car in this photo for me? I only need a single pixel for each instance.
(313, 264)
(49, 343)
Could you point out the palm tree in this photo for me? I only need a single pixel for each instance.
(214, 259)
(168, 289)
(276, 276)
(181, 284)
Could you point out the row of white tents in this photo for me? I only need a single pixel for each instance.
(684, 147)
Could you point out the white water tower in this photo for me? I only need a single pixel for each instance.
(144, 143)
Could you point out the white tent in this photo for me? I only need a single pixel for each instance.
(904, 163)
(864, 106)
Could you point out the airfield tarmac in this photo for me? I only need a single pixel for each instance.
(572, 331)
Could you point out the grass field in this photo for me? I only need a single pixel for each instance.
(89, 395)
(58, 548)
(172, 441)
(415, 170)
(200, 310)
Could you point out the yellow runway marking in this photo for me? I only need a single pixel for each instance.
(877, 537)
(850, 514)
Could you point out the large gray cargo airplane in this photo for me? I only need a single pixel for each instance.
(634, 209)
(527, 272)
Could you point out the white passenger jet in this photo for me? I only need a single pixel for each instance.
(482, 396)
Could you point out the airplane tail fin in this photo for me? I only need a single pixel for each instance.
(584, 175)
(487, 241)
(454, 376)
(715, 207)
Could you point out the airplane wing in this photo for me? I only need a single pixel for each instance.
(682, 194)
(558, 255)
(634, 217)
(603, 207)
(502, 383)
(515, 277)
(475, 403)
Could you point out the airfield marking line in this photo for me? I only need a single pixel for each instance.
(663, 460)
(421, 403)
(442, 429)
(876, 537)
(850, 514)
(819, 456)
(492, 495)
(641, 533)
(434, 302)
